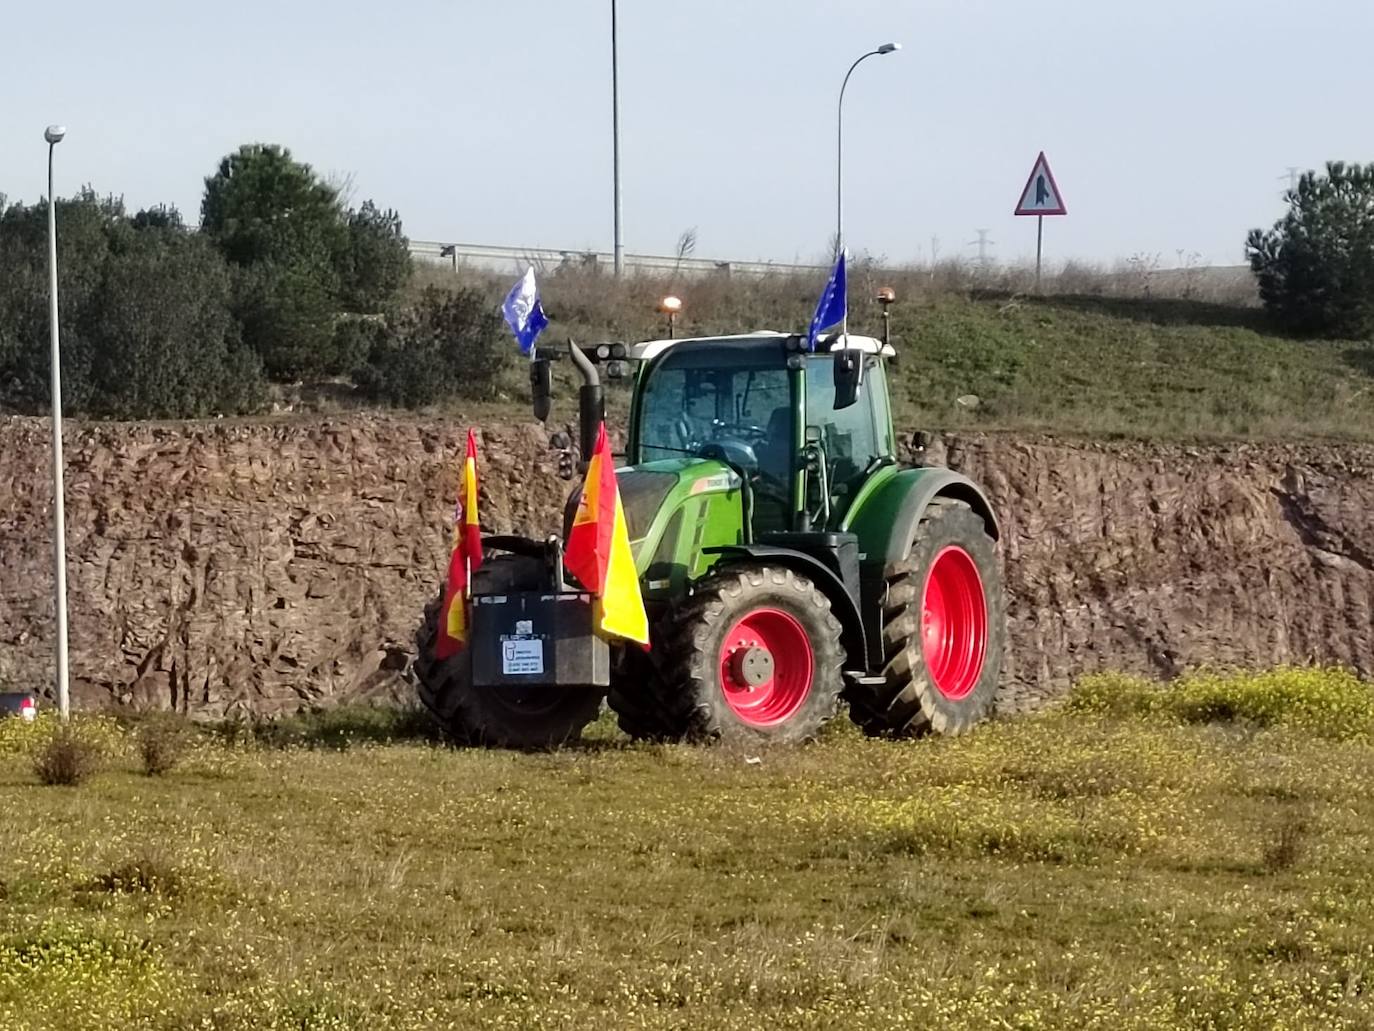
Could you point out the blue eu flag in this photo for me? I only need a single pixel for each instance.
(832, 307)
(524, 312)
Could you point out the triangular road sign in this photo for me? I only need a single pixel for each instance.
(1041, 195)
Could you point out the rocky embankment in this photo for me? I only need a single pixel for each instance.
(223, 568)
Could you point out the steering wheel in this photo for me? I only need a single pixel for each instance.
(752, 432)
(749, 432)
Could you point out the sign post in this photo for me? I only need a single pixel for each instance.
(1041, 197)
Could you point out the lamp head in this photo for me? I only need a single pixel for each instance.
(888, 48)
(54, 133)
(670, 305)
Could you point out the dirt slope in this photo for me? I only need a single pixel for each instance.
(232, 567)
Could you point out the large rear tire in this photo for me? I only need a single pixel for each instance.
(752, 656)
(944, 631)
(507, 716)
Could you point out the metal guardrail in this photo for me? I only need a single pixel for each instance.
(516, 259)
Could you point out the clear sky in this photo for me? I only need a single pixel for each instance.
(1168, 123)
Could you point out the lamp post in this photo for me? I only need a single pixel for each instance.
(886, 48)
(53, 134)
(619, 250)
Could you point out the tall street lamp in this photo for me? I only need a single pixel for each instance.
(53, 134)
(886, 48)
(619, 251)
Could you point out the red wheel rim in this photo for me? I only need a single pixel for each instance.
(954, 623)
(766, 667)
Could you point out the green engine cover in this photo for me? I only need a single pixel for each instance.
(674, 509)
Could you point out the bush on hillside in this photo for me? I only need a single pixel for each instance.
(166, 345)
(447, 345)
(145, 320)
(1316, 266)
(302, 257)
(376, 265)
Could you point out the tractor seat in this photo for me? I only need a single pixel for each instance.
(772, 500)
(775, 453)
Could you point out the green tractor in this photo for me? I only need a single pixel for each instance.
(787, 560)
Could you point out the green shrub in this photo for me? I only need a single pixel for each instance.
(1316, 266)
(147, 330)
(303, 259)
(376, 264)
(354, 340)
(1286, 848)
(447, 345)
(287, 315)
(145, 875)
(162, 742)
(165, 343)
(66, 758)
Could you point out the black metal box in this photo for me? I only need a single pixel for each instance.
(529, 637)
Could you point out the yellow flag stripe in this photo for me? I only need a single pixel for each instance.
(457, 619)
(622, 606)
(470, 492)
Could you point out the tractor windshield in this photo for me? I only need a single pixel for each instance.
(737, 398)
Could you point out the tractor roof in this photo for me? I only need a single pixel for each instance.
(650, 349)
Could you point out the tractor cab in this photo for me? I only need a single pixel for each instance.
(767, 409)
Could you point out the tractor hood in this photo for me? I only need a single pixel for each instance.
(645, 488)
(675, 510)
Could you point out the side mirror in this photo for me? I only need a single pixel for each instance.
(541, 388)
(849, 376)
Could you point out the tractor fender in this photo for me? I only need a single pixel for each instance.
(886, 521)
(842, 603)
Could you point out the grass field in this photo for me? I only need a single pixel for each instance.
(1084, 363)
(1198, 859)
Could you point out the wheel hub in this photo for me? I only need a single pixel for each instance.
(751, 667)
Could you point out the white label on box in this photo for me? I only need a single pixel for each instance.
(524, 627)
(522, 656)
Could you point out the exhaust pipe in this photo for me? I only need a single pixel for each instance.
(591, 403)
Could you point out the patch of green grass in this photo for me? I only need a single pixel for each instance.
(1167, 369)
(1328, 702)
(1085, 868)
(340, 727)
(1071, 362)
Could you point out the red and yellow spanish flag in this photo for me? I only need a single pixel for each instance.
(466, 557)
(598, 551)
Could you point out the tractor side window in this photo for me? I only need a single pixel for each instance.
(764, 403)
(668, 410)
(853, 437)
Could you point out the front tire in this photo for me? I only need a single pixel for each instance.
(944, 631)
(533, 717)
(752, 656)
